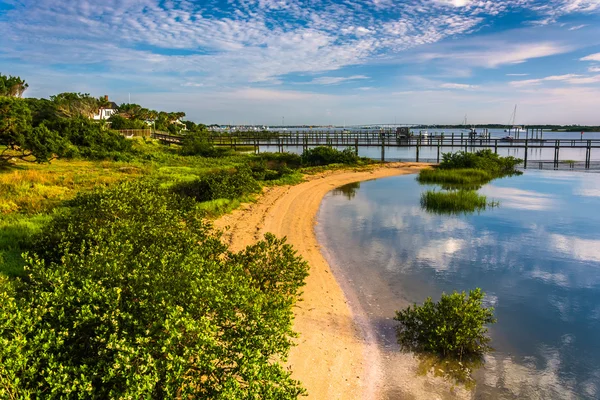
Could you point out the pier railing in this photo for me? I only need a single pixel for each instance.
(464, 142)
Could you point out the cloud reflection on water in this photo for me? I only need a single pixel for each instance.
(519, 198)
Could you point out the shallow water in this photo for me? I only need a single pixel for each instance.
(537, 257)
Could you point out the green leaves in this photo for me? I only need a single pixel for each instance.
(324, 155)
(454, 327)
(132, 295)
(221, 184)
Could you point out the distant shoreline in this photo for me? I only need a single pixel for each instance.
(332, 359)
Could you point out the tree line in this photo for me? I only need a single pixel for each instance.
(39, 130)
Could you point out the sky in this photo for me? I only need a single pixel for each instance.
(341, 62)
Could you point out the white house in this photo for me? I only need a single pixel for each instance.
(107, 111)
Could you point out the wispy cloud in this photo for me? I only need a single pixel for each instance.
(460, 86)
(577, 27)
(235, 46)
(501, 54)
(334, 80)
(553, 78)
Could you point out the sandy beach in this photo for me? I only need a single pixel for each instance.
(332, 358)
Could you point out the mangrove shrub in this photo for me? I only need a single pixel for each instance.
(483, 159)
(222, 184)
(324, 155)
(453, 327)
(144, 301)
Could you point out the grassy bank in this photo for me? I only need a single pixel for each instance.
(31, 193)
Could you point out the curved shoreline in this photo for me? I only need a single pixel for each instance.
(332, 359)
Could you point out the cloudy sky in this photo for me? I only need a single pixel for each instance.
(316, 61)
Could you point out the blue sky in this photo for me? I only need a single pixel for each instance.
(316, 61)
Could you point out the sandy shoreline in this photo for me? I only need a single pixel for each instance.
(332, 358)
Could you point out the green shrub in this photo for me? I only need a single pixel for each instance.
(92, 140)
(197, 144)
(290, 160)
(483, 159)
(146, 302)
(453, 327)
(454, 201)
(223, 184)
(267, 168)
(323, 155)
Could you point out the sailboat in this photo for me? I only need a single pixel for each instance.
(512, 127)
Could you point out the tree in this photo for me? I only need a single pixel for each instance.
(12, 86)
(453, 327)
(19, 139)
(70, 105)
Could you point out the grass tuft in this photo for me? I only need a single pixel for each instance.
(454, 201)
(465, 176)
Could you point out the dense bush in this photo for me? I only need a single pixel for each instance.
(323, 155)
(136, 297)
(20, 139)
(453, 327)
(91, 139)
(273, 166)
(118, 122)
(223, 184)
(483, 159)
(290, 160)
(198, 144)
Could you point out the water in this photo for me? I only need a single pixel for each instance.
(537, 257)
(430, 153)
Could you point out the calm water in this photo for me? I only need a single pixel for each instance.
(537, 257)
(430, 153)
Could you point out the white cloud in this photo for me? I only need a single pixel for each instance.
(458, 86)
(333, 80)
(584, 80)
(553, 78)
(577, 27)
(594, 69)
(591, 57)
(517, 74)
(501, 54)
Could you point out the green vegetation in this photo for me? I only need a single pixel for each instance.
(450, 335)
(453, 327)
(483, 160)
(113, 283)
(470, 177)
(454, 201)
(460, 174)
(132, 295)
(323, 155)
(220, 185)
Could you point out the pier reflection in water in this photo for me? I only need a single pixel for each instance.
(537, 257)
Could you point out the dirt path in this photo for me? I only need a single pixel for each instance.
(332, 359)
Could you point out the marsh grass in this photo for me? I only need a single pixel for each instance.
(454, 201)
(464, 176)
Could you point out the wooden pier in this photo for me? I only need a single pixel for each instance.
(442, 143)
